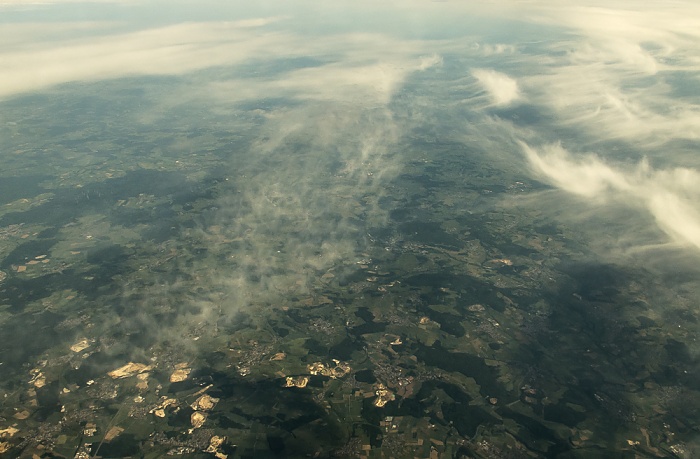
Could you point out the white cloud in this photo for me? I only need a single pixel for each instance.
(587, 177)
(501, 88)
(168, 50)
(670, 196)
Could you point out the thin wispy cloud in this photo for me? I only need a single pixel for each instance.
(317, 166)
(615, 74)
